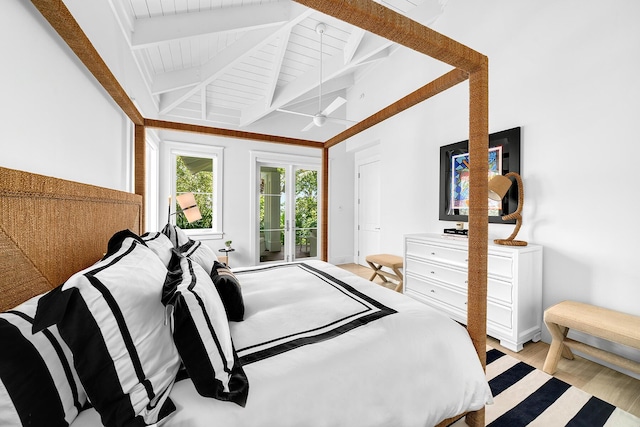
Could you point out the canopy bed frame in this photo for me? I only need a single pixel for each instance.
(366, 14)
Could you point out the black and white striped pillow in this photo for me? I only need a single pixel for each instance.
(160, 244)
(200, 253)
(176, 235)
(111, 317)
(201, 332)
(39, 385)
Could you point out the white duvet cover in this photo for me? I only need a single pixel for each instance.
(323, 347)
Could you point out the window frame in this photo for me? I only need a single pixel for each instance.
(216, 154)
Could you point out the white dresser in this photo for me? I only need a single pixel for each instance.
(435, 272)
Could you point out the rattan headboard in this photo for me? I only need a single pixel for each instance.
(51, 228)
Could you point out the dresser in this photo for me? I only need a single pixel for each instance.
(435, 273)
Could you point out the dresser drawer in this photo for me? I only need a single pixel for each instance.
(435, 291)
(435, 271)
(500, 266)
(499, 315)
(437, 253)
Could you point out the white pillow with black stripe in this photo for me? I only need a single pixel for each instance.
(111, 317)
(39, 385)
(201, 332)
(200, 253)
(160, 244)
(176, 235)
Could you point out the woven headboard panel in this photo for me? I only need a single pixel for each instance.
(51, 228)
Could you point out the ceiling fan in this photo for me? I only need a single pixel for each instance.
(322, 116)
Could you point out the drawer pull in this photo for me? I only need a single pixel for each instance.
(433, 291)
(433, 272)
(433, 253)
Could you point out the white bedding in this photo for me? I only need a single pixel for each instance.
(319, 353)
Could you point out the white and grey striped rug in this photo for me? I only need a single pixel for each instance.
(525, 396)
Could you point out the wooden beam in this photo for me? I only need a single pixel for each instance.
(64, 23)
(427, 91)
(227, 133)
(140, 170)
(324, 206)
(478, 218)
(393, 26)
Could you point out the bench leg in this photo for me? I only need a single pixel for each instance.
(375, 269)
(557, 348)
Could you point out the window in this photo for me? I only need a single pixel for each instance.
(198, 170)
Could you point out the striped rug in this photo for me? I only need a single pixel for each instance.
(526, 396)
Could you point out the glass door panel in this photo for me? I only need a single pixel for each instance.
(272, 214)
(306, 213)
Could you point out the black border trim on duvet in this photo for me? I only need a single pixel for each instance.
(375, 310)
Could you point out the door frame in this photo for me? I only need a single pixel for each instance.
(259, 158)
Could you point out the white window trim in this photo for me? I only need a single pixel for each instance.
(168, 174)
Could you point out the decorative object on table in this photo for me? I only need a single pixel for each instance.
(227, 244)
(456, 231)
(188, 207)
(503, 156)
(498, 187)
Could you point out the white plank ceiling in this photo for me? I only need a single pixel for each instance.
(234, 63)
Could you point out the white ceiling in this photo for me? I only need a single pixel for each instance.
(233, 63)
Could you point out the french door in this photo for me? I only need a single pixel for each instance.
(288, 211)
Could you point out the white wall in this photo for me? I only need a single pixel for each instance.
(56, 119)
(567, 73)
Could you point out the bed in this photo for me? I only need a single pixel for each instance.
(317, 345)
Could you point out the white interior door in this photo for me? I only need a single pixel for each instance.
(368, 209)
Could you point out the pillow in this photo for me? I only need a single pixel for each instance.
(200, 253)
(111, 317)
(160, 244)
(38, 382)
(229, 289)
(176, 235)
(201, 332)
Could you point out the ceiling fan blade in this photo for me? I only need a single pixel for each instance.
(294, 112)
(341, 121)
(337, 103)
(308, 127)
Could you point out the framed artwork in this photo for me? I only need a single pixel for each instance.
(503, 156)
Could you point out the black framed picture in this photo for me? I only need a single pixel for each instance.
(503, 157)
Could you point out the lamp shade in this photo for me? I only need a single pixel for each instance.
(498, 187)
(187, 202)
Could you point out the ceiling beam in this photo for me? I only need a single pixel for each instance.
(185, 127)
(393, 26)
(160, 29)
(335, 66)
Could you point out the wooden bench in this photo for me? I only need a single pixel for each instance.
(599, 322)
(394, 262)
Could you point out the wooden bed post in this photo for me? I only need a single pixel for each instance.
(324, 209)
(478, 218)
(140, 170)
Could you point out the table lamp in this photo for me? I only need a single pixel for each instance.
(498, 187)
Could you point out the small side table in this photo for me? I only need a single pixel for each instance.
(226, 252)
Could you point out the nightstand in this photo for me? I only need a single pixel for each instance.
(225, 258)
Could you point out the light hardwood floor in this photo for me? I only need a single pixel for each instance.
(607, 384)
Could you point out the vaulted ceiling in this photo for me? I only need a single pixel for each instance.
(236, 64)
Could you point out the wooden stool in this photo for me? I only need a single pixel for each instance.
(393, 262)
(600, 322)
